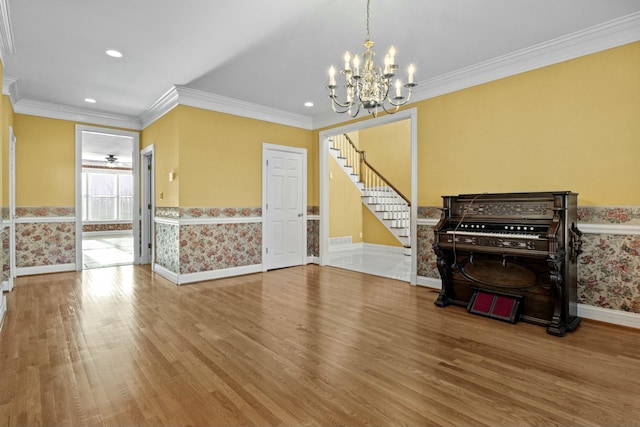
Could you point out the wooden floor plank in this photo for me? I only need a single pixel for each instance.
(302, 346)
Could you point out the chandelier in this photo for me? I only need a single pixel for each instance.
(368, 85)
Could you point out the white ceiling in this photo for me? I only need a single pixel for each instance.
(271, 53)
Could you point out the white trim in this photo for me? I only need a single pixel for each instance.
(167, 102)
(323, 147)
(208, 220)
(313, 217)
(202, 276)
(44, 269)
(429, 282)
(169, 221)
(431, 222)
(7, 45)
(135, 149)
(220, 220)
(6, 224)
(630, 230)
(148, 204)
(43, 219)
(5, 286)
(395, 250)
(313, 259)
(166, 273)
(74, 114)
(218, 274)
(222, 104)
(3, 310)
(617, 317)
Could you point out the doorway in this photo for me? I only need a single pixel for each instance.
(324, 144)
(107, 203)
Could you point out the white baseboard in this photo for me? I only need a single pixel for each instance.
(201, 276)
(166, 273)
(346, 247)
(429, 282)
(616, 317)
(3, 310)
(45, 269)
(6, 286)
(384, 248)
(313, 260)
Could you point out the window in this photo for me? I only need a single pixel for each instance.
(107, 196)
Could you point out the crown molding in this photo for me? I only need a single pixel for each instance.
(64, 112)
(223, 104)
(607, 35)
(162, 106)
(600, 37)
(7, 45)
(10, 87)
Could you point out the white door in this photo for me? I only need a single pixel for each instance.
(284, 207)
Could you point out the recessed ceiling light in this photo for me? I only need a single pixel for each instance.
(90, 100)
(114, 53)
(308, 104)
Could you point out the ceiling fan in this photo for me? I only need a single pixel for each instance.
(112, 160)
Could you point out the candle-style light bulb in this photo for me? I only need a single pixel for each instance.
(398, 88)
(347, 60)
(412, 70)
(332, 76)
(392, 54)
(356, 65)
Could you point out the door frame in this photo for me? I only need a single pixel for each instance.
(147, 189)
(323, 144)
(266, 237)
(12, 209)
(78, 187)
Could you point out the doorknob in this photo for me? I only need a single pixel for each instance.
(299, 215)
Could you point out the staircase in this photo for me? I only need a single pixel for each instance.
(388, 204)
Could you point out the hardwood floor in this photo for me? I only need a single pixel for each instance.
(304, 346)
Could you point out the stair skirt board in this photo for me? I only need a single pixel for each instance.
(392, 250)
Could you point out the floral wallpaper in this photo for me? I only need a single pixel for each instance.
(45, 211)
(5, 254)
(106, 227)
(426, 256)
(48, 243)
(232, 212)
(167, 246)
(609, 215)
(207, 247)
(609, 272)
(313, 238)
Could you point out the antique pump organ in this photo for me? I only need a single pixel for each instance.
(511, 256)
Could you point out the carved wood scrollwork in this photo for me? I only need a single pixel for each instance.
(575, 242)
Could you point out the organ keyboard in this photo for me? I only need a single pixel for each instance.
(524, 245)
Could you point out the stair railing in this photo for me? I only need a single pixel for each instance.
(371, 178)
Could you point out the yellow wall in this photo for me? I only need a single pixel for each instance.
(375, 232)
(7, 120)
(388, 149)
(45, 161)
(570, 126)
(221, 156)
(345, 205)
(163, 135)
(45, 156)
